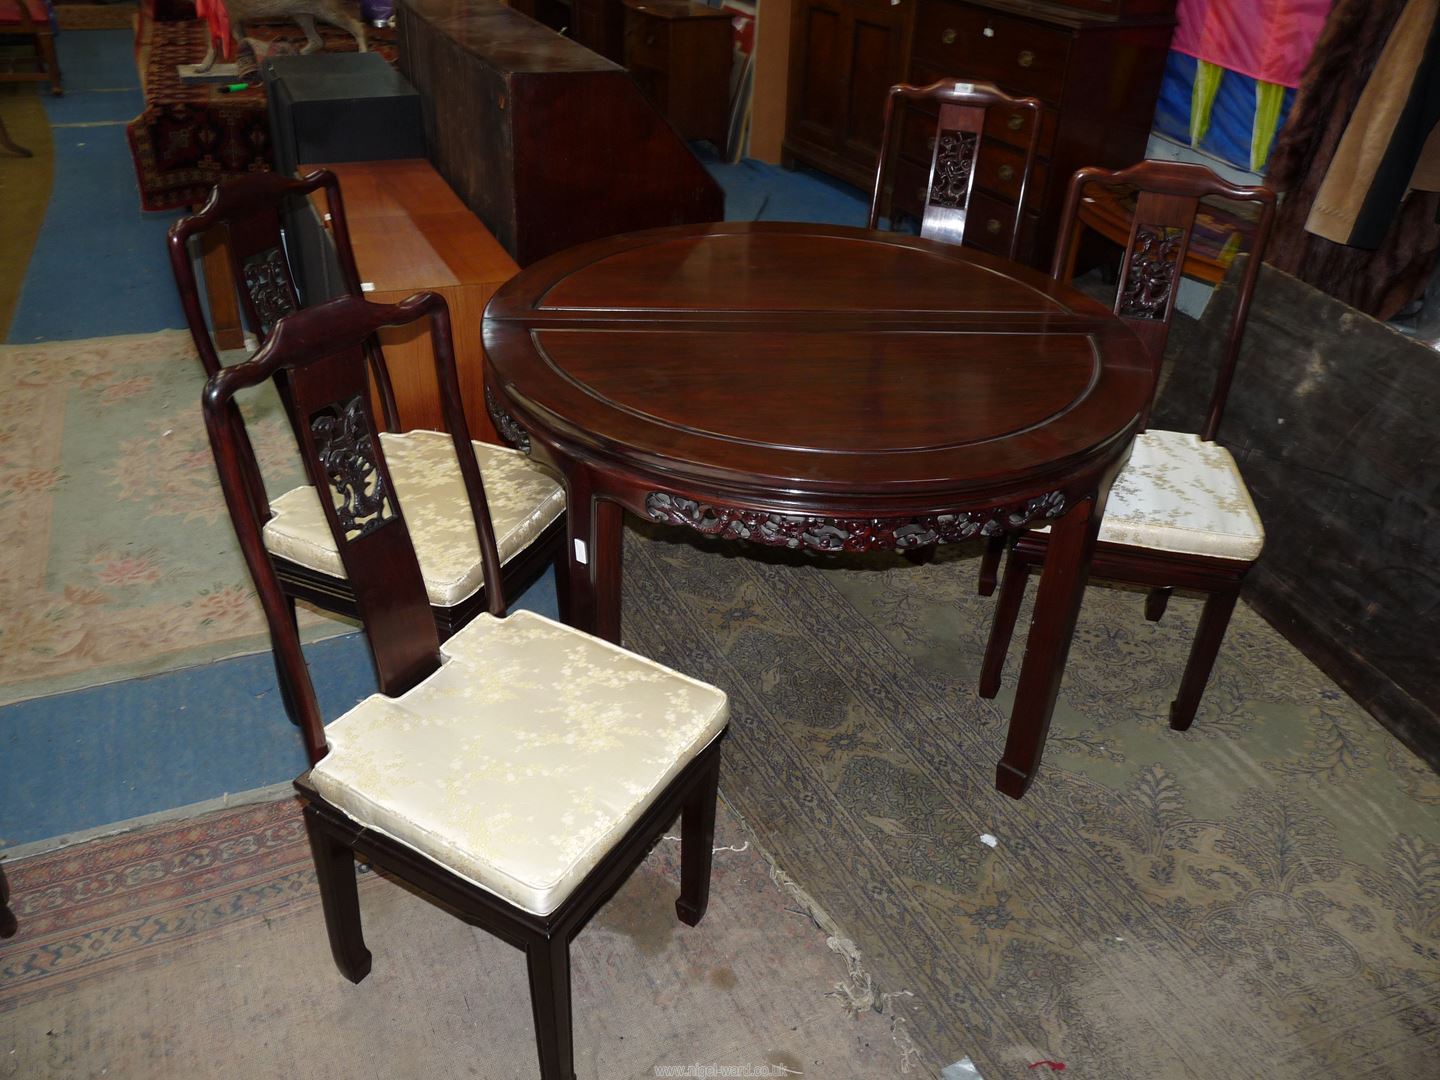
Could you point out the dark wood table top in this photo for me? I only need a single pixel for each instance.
(810, 386)
(829, 367)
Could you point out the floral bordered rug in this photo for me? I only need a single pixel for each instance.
(1259, 896)
(197, 948)
(117, 557)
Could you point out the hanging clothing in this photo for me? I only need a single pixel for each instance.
(1380, 281)
(1269, 40)
(1390, 143)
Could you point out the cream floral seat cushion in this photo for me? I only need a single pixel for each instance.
(524, 500)
(1178, 493)
(524, 758)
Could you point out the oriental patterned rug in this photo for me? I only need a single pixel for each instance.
(198, 949)
(1257, 897)
(117, 557)
(191, 136)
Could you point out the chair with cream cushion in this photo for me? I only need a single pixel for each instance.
(517, 773)
(1178, 515)
(248, 215)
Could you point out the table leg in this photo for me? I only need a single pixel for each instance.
(595, 527)
(1057, 606)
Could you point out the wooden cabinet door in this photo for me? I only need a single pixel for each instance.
(844, 56)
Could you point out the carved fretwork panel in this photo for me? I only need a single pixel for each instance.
(265, 276)
(954, 162)
(505, 424)
(799, 531)
(1150, 276)
(344, 443)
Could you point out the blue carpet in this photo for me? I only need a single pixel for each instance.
(99, 266)
(756, 191)
(81, 760)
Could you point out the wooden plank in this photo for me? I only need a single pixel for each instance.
(1332, 419)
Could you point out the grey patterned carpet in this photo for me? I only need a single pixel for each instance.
(1257, 897)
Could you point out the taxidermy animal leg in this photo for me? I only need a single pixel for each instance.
(345, 22)
(312, 36)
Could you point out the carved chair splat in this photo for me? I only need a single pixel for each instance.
(248, 213)
(1179, 514)
(956, 146)
(513, 883)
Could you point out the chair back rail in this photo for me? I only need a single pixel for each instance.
(250, 209)
(955, 149)
(1169, 194)
(316, 355)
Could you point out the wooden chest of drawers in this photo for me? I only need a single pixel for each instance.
(679, 54)
(1096, 65)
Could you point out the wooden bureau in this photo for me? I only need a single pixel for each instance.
(1096, 65)
(679, 54)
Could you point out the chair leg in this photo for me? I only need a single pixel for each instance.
(549, 964)
(1156, 601)
(340, 898)
(1213, 621)
(562, 585)
(990, 563)
(8, 923)
(287, 692)
(7, 143)
(697, 845)
(45, 44)
(920, 556)
(1007, 610)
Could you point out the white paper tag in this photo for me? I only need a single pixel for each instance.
(580, 555)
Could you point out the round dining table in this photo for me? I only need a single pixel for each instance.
(825, 389)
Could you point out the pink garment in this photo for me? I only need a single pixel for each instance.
(214, 13)
(1269, 40)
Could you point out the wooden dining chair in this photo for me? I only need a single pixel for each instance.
(527, 502)
(517, 774)
(1179, 515)
(955, 151)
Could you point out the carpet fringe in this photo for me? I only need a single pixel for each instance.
(858, 992)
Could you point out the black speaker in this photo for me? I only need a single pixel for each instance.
(340, 106)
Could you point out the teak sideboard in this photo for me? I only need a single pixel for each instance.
(1096, 64)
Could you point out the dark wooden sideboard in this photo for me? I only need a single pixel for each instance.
(547, 142)
(1096, 64)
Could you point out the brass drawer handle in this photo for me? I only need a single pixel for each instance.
(1007, 172)
(1026, 58)
(993, 226)
(948, 37)
(1016, 121)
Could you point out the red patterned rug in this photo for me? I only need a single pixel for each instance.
(190, 136)
(198, 949)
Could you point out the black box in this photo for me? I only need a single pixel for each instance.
(340, 106)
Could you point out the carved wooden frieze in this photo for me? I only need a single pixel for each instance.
(265, 276)
(505, 424)
(954, 162)
(802, 531)
(345, 446)
(1152, 271)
